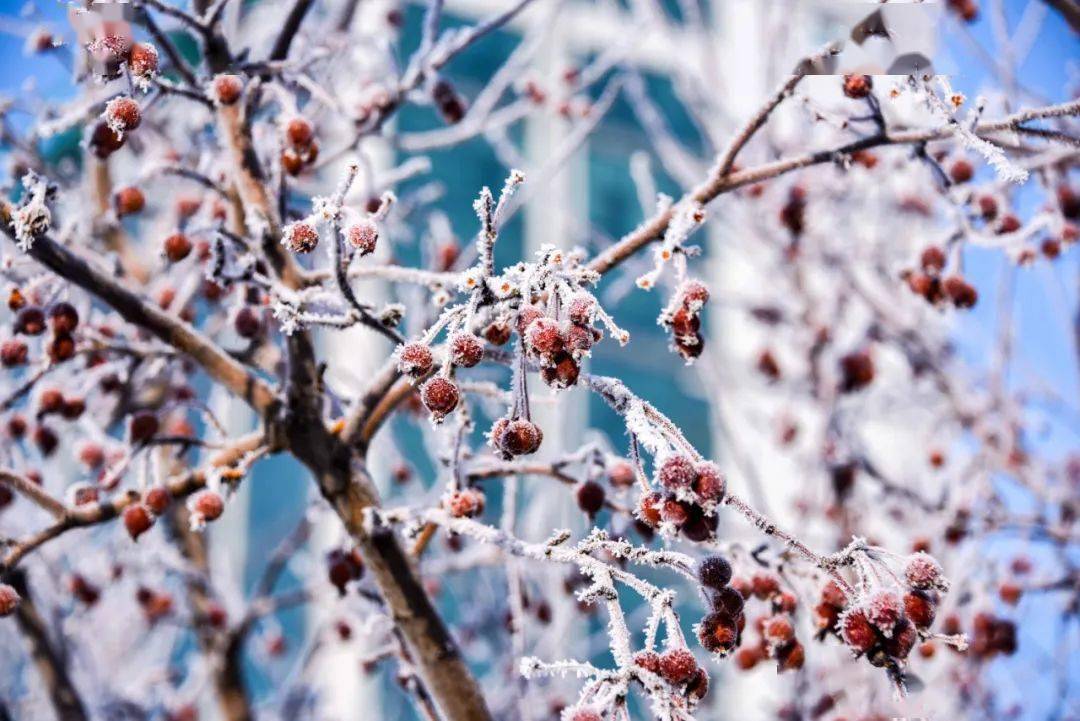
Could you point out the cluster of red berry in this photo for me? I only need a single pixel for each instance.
(31, 320)
(937, 290)
(301, 150)
(688, 503)
(683, 319)
(679, 669)
(558, 347)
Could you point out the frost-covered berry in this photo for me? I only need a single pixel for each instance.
(300, 237)
(516, 437)
(128, 201)
(590, 497)
(9, 600)
(714, 572)
(857, 632)
(676, 471)
(884, 609)
(226, 88)
(466, 349)
(677, 665)
(717, 633)
(363, 235)
(63, 317)
(857, 86)
(123, 114)
(440, 396)
(13, 352)
(674, 511)
(46, 440)
(526, 315)
(137, 520)
(466, 503)
(899, 645)
(157, 499)
(497, 333)
(709, 485)
(581, 713)
(648, 660)
(543, 336)
(693, 295)
(923, 572)
(561, 371)
(648, 509)
(920, 608)
(143, 60)
(578, 340)
(727, 601)
(581, 309)
(415, 359)
(207, 505)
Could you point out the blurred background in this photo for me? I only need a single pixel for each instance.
(591, 198)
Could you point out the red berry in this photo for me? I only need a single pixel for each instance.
(30, 321)
(137, 520)
(962, 293)
(248, 322)
(728, 601)
(857, 632)
(9, 600)
(63, 317)
(648, 660)
(857, 86)
(709, 484)
(208, 505)
(717, 633)
(526, 315)
(590, 497)
(123, 114)
(857, 371)
(790, 657)
(143, 60)
(363, 235)
(765, 586)
(517, 437)
(176, 247)
(899, 645)
(466, 503)
(497, 333)
(299, 132)
(300, 237)
(104, 141)
(543, 336)
(128, 201)
(778, 630)
(932, 259)
(582, 714)
(440, 396)
(466, 349)
(73, 409)
(923, 572)
(415, 359)
(581, 309)
(142, 427)
(13, 352)
(693, 295)
(961, 171)
(884, 609)
(714, 572)
(157, 499)
(46, 440)
(648, 509)
(677, 665)
(227, 89)
(920, 609)
(1009, 224)
(676, 471)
